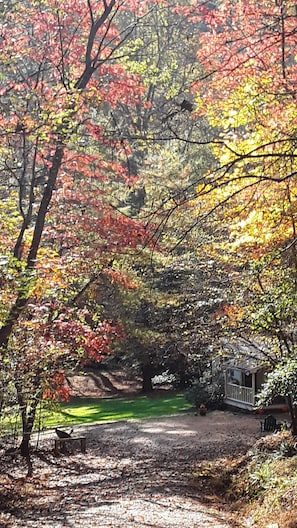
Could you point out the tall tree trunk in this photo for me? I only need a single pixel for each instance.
(28, 413)
(26, 452)
(25, 443)
(147, 374)
(91, 66)
(22, 297)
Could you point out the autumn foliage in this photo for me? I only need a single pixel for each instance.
(61, 171)
(247, 91)
(78, 94)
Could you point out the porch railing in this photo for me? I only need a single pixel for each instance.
(240, 394)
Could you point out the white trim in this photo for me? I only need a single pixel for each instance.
(240, 394)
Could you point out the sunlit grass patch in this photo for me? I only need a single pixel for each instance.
(86, 411)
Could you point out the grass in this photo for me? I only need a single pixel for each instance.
(87, 411)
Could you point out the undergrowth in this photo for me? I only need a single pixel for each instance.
(262, 484)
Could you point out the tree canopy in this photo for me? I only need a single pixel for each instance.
(143, 136)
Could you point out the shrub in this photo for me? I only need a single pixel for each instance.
(205, 392)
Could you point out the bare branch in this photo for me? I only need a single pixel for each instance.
(91, 11)
(89, 65)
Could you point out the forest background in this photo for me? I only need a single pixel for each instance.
(148, 191)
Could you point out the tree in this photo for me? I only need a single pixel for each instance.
(282, 382)
(167, 167)
(249, 67)
(245, 91)
(47, 103)
(168, 317)
(246, 70)
(167, 71)
(60, 65)
(42, 346)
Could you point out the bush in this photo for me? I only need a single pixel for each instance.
(208, 393)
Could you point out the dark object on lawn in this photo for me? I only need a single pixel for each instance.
(202, 410)
(269, 425)
(63, 434)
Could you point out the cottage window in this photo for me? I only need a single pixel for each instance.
(235, 376)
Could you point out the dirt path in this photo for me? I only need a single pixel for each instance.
(134, 475)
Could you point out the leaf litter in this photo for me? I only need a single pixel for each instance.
(135, 474)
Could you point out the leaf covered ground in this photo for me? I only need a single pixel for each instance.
(134, 474)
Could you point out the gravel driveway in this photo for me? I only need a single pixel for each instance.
(136, 474)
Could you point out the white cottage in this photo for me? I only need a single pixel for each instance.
(243, 379)
(244, 374)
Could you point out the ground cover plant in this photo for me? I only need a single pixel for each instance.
(261, 484)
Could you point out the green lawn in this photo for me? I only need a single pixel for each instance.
(86, 411)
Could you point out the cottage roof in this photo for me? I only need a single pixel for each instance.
(246, 355)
